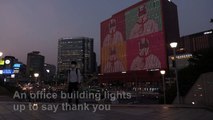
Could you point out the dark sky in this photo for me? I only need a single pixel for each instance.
(27, 25)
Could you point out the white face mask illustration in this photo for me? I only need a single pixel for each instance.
(143, 47)
(112, 26)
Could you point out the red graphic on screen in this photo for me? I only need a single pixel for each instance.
(146, 52)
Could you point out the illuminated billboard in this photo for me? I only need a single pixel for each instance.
(7, 71)
(1, 62)
(113, 45)
(16, 65)
(133, 39)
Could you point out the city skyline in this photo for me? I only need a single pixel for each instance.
(37, 25)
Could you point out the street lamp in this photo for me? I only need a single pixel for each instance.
(36, 75)
(173, 45)
(163, 72)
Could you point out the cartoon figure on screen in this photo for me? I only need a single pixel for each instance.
(114, 36)
(145, 60)
(143, 25)
(113, 63)
(113, 50)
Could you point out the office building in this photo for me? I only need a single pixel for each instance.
(76, 49)
(135, 45)
(35, 64)
(147, 25)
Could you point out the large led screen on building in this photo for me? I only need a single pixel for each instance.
(113, 44)
(133, 39)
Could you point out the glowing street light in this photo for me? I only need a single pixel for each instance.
(173, 45)
(36, 75)
(163, 72)
(47, 70)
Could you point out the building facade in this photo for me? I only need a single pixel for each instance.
(135, 45)
(138, 37)
(76, 49)
(35, 64)
(197, 41)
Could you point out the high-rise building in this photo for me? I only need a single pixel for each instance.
(76, 49)
(135, 44)
(35, 63)
(138, 37)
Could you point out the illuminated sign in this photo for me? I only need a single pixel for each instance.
(1, 62)
(16, 71)
(16, 65)
(7, 71)
(7, 61)
(1, 72)
(184, 56)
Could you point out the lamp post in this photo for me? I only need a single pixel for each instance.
(163, 72)
(173, 45)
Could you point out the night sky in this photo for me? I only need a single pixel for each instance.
(27, 25)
